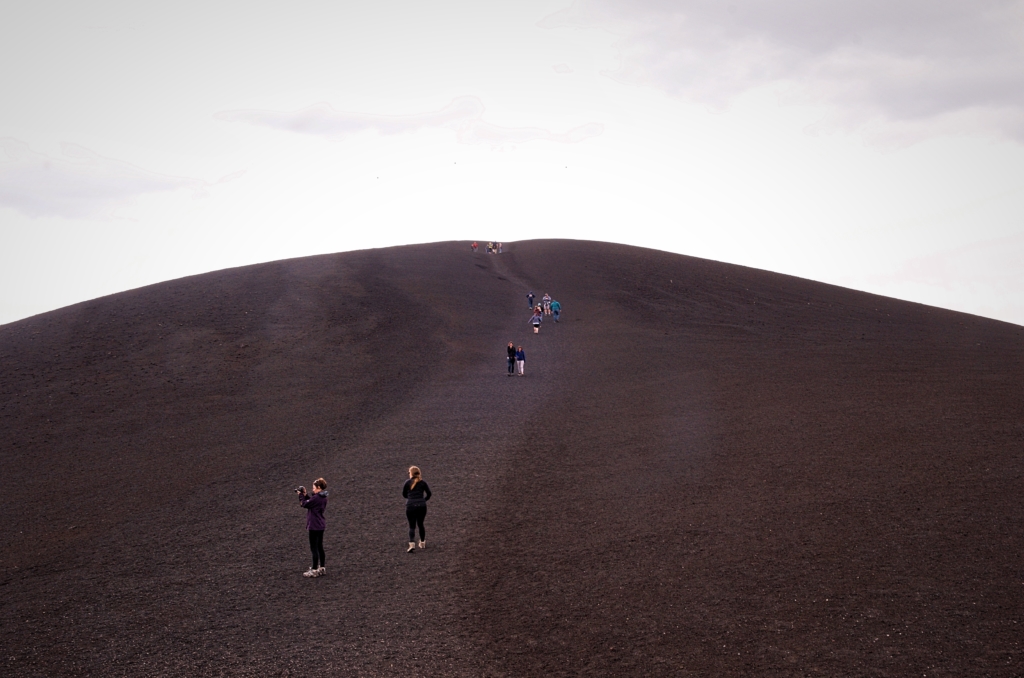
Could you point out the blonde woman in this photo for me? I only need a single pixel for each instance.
(416, 493)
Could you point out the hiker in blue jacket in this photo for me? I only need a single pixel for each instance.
(520, 360)
(556, 309)
(529, 299)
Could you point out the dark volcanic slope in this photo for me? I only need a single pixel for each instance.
(707, 470)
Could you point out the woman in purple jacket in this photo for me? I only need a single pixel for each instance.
(315, 523)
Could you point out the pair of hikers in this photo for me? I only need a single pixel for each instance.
(516, 360)
(416, 493)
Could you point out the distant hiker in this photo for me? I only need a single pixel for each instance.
(474, 246)
(556, 308)
(536, 319)
(546, 302)
(315, 524)
(416, 493)
(499, 248)
(520, 360)
(511, 357)
(490, 248)
(529, 300)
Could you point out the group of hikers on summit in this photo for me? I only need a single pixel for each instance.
(416, 493)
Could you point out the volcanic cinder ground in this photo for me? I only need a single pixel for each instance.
(707, 470)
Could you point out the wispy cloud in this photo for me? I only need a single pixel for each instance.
(463, 115)
(993, 264)
(909, 67)
(78, 184)
(982, 277)
(481, 132)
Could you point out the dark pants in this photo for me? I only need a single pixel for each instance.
(415, 516)
(316, 545)
(511, 365)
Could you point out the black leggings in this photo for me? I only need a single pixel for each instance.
(316, 545)
(415, 515)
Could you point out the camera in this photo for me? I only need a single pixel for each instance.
(301, 489)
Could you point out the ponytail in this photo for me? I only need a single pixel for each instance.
(414, 473)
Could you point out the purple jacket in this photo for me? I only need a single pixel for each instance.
(314, 505)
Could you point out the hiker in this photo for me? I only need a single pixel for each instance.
(546, 301)
(556, 308)
(520, 361)
(499, 248)
(474, 246)
(511, 358)
(536, 319)
(529, 300)
(315, 524)
(416, 493)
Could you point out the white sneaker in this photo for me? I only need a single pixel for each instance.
(412, 547)
(311, 573)
(321, 571)
(423, 544)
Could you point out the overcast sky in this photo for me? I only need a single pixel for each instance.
(877, 145)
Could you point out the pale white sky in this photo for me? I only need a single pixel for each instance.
(876, 145)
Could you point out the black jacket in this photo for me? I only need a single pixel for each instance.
(416, 496)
